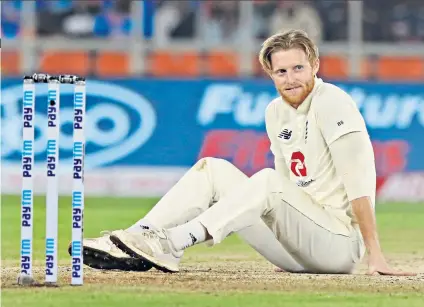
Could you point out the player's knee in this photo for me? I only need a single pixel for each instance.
(267, 174)
(208, 160)
(270, 178)
(203, 163)
(214, 163)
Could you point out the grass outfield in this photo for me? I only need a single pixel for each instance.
(229, 274)
(135, 296)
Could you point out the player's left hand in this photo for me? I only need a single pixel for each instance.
(379, 266)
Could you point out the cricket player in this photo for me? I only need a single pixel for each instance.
(313, 213)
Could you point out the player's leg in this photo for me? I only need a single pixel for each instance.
(208, 181)
(198, 189)
(263, 240)
(315, 248)
(203, 185)
(295, 220)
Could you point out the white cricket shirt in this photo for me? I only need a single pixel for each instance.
(300, 140)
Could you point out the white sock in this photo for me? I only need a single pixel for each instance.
(187, 235)
(141, 226)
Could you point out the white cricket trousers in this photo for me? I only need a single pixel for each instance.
(264, 211)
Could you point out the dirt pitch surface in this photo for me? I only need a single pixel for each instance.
(243, 275)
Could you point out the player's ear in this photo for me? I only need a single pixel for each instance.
(315, 67)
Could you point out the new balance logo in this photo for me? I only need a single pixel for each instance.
(144, 227)
(286, 134)
(193, 238)
(340, 123)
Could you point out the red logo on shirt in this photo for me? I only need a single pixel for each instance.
(297, 164)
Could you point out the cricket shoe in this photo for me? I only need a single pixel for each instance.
(101, 253)
(153, 246)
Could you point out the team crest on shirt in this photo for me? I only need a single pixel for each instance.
(298, 168)
(297, 164)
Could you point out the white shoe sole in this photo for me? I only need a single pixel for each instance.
(137, 253)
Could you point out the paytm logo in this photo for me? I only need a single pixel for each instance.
(28, 108)
(27, 161)
(51, 158)
(77, 210)
(50, 254)
(76, 259)
(26, 246)
(130, 122)
(26, 208)
(52, 109)
(79, 106)
(78, 160)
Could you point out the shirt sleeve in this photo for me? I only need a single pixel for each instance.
(271, 123)
(337, 114)
(353, 158)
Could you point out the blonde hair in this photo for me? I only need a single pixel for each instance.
(284, 41)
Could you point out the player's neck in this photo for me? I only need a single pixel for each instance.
(295, 105)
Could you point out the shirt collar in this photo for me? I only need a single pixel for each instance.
(306, 104)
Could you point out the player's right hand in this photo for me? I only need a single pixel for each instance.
(378, 266)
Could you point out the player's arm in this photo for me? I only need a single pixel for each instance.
(271, 124)
(353, 158)
(354, 161)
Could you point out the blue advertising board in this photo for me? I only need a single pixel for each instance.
(149, 122)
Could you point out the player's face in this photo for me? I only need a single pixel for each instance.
(293, 75)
